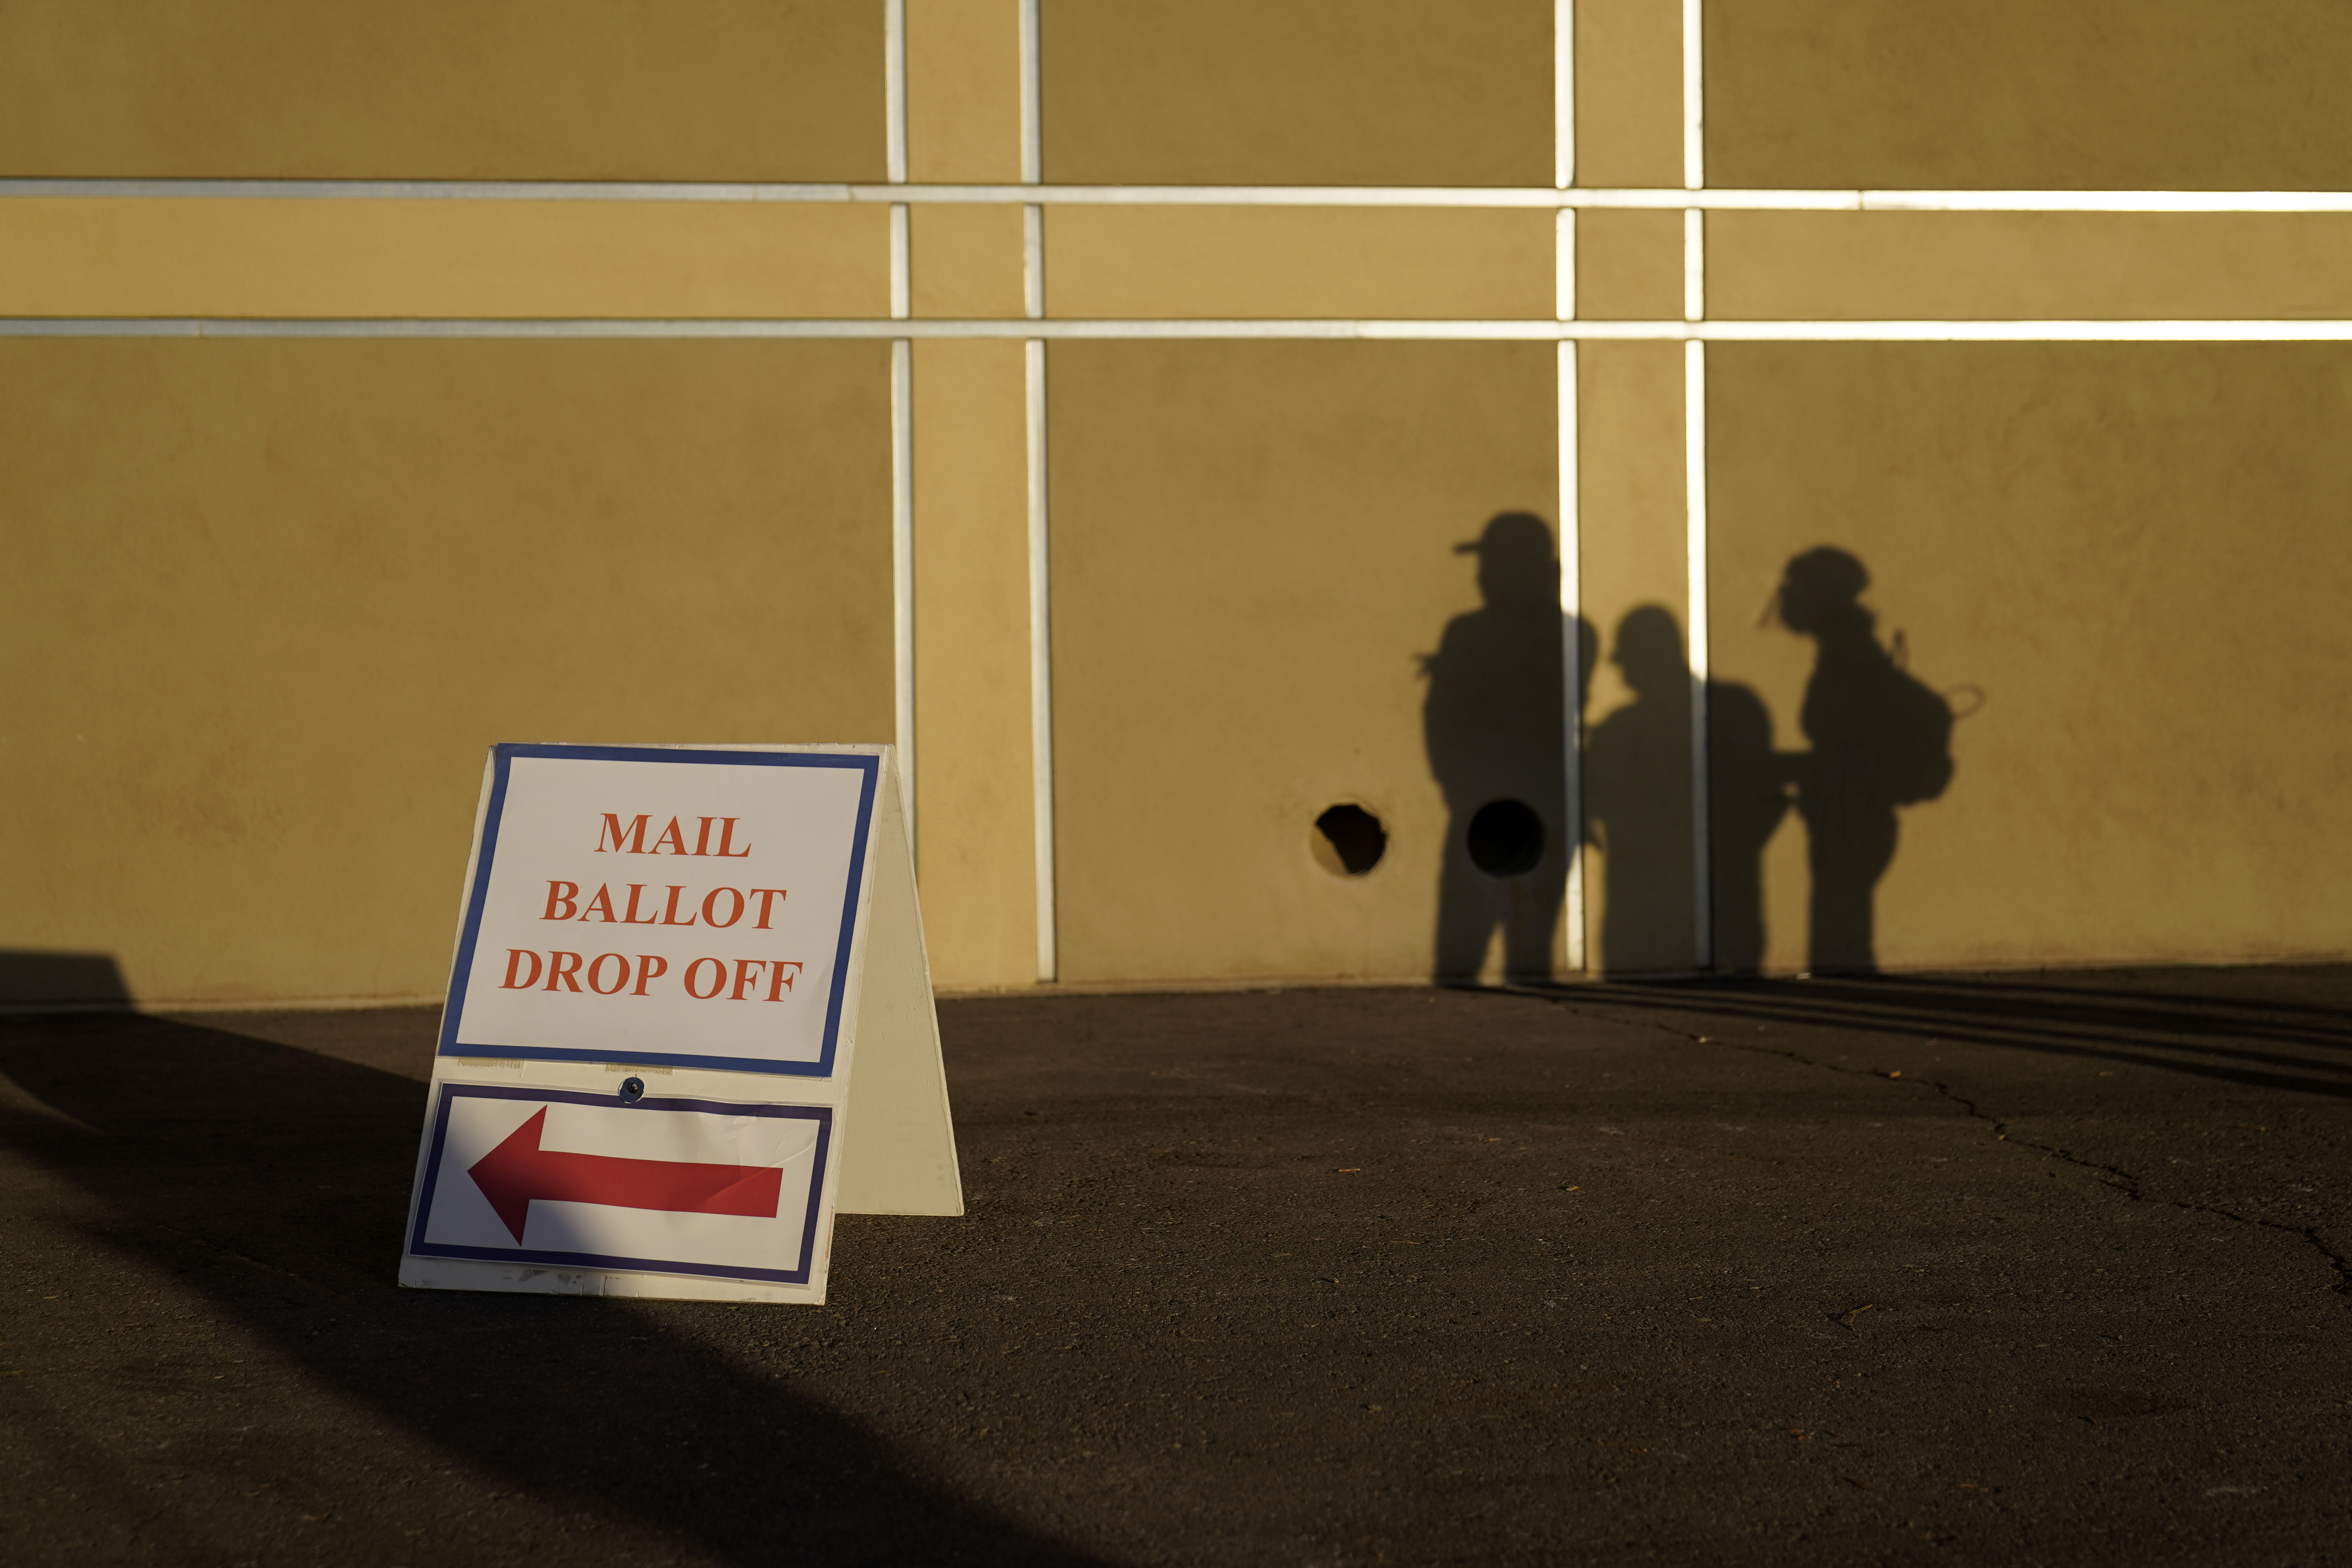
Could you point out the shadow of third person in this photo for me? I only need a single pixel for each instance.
(1637, 794)
(1637, 778)
(1881, 740)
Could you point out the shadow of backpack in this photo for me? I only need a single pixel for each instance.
(1915, 740)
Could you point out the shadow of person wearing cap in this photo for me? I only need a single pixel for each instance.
(1881, 740)
(1494, 722)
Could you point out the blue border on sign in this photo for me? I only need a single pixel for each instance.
(453, 1014)
(418, 1247)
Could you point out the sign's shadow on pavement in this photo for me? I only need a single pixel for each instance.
(273, 1181)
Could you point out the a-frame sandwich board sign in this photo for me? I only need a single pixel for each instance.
(689, 1017)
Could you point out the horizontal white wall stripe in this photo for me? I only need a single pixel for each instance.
(1723, 200)
(2119, 331)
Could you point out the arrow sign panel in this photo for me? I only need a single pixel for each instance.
(519, 1170)
(559, 1178)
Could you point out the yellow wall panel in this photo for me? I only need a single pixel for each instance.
(126, 257)
(1629, 93)
(2023, 94)
(1629, 266)
(522, 89)
(966, 261)
(268, 602)
(974, 809)
(1297, 92)
(1255, 547)
(1212, 262)
(2058, 266)
(2135, 558)
(963, 91)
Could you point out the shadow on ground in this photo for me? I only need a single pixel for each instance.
(1918, 1272)
(274, 1181)
(2168, 1021)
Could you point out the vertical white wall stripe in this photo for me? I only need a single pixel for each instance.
(902, 565)
(1571, 657)
(1041, 617)
(894, 89)
(1571, 529)
(902, 414)
(1563, 93)
(1041, 668)
(1694, 102)
(1033, 261)
(902, 261)
(1701, 655)
(1033, 144)
(1694, 481)
(1564, 264)
(1693, 265)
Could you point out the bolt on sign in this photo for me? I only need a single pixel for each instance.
(673, 964)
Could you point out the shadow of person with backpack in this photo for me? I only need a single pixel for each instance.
(1881, 740)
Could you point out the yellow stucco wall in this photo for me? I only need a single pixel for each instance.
(1378, 92)
(275, 257)
(443, 89)
(2021, 94)
(1191, 261)
(268, 599)
(269, 602)
(1254, 546)
(2138, 558)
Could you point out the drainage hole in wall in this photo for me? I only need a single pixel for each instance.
(1347, 841)
(1507, 839)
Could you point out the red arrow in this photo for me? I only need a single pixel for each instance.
(519, 1170)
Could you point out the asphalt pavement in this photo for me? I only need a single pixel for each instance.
(2026, 1269)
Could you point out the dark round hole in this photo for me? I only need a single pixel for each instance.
(633, 1090)
(1348, 841)
(1507, 839)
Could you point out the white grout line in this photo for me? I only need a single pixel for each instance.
(1701, 658)
(2021, 331)
(1713, 200)
(902, 414)
(902, 567)
(902, 262)
(1693, 95)
(1033, 261)
(1041, 668)
(1693, 265)
(1694, 479)
(1381, 330)
(1041, 617)
(1571, 613)
(1032, 142)
(894, 89)
(1563, 93)
(2102, 201)
(1571, 531)
(1563, 265)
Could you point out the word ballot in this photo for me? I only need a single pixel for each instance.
(674, 965)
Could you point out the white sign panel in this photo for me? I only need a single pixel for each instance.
(586, 1181)
(693, 908)
(672, 963)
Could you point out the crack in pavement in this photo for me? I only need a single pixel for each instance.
(2111, 1176)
